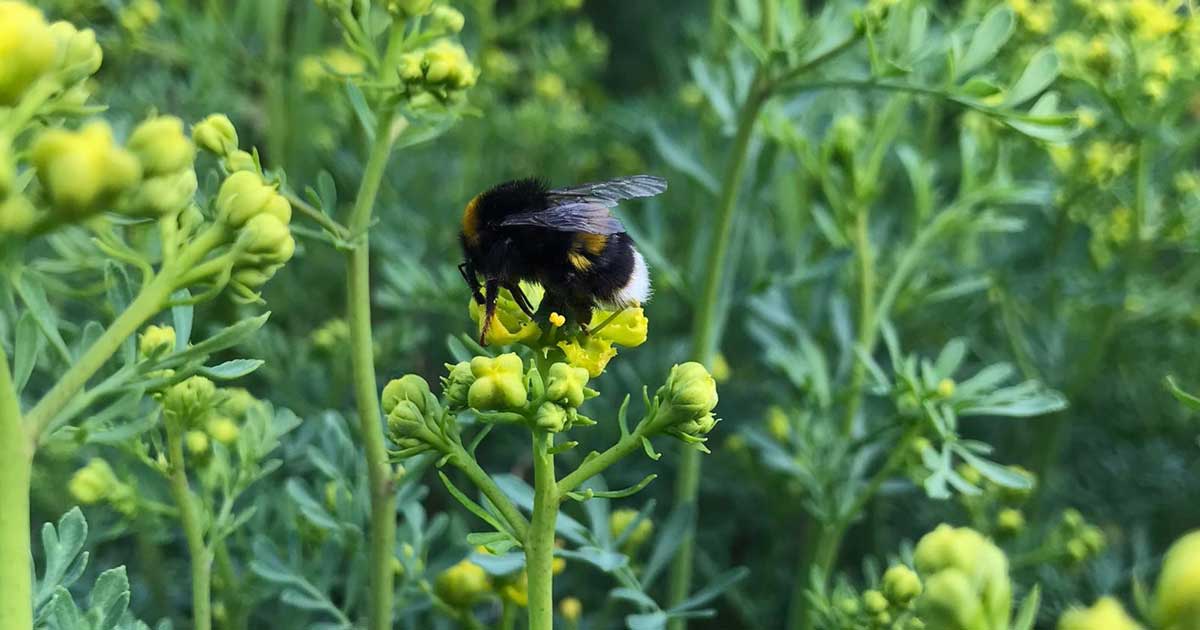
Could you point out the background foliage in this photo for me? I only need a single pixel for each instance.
(1059, 241)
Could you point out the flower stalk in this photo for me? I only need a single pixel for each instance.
(193, 529)
(16, 461)
(358, 316)
(539, 544)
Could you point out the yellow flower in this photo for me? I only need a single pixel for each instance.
(1165, 66)
(517, 590)
(1153, 19)
(590, 353)
(1039, 19)
(967, 578)
(945, 387)
(462, 584)
(83, 171)
(1177, 598)
(1010, 521)
(621, 520)
(137, 15)
(28, 49)
(549, 86)
(510, 324)
(629, 328)
(1120, 226)
(1106, 614)
(778, 424)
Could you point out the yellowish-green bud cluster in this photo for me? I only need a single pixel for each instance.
(261, 215)
(93, 483)
(196, 442)
(1177, 598)
(215, 134)
(966, 580)
(28, 49)
(83, 171)
(462, 584)
(443, 64)
(457, 385)
(189, 400)
(136, 16)
(621, 520)
(686, 402)
(409, 8)
(156, 341)
(412, 412)
(499, 383)
(223, 429)
(901, 585)
(166, 155)
(79, 56)
(447, 19)
(1106, 614)
(1010, 521)
(567, 385)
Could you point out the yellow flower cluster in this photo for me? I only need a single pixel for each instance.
(966, 583)
(260, 215)
(444, 65)
(1037, 16)
(84, 171)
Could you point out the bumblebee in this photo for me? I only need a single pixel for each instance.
(564, 239)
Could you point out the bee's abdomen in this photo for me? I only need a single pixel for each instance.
(608, 269)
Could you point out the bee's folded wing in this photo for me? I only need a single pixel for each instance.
(608, 193)
(576, 216)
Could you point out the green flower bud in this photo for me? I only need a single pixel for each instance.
(215, 134)
(17, 215)
(1019, 495)
(161, 145)
(412, 388)
(456, 386)
(240, 161)
(566, 384)
(969, 553)
(196, 442)
(189, 399)
(551, 417)
(83, 171)
(269, 239)
(164, 195)
(690, 389)
(462, 584)
(253, 278)
(571, 609)
(223, 430)
(1010, 521)
(1177, 598)
(79, 56)
(237, 402)
(901, 585)
(1106, 614)
(621, 520)
(1093, 537)
(849, 606)
(874, 602)
(405, 420)
(156, 341)
(409, 8)
(93, 483)
(244, 195)
(28, 49)
(499, 383)
(1072, 520)
(951, 602)
(1077, 551)
(447, 19)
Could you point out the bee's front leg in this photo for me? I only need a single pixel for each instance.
(520, 298)
(468, 273)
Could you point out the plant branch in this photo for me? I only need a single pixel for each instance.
(358, 298)
(467, 464)
(193, 529)
(16, 467)
(539, 544)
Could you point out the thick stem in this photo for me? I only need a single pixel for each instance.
(464, 462)
(362, 358)
(539, 544)
(193, 530)
(704, 340)
(16, 461)
(864, 253)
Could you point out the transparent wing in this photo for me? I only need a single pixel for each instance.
(608, 193)
(578, 216)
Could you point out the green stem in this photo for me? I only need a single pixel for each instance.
(595, 465)
(16, 467)
(864, 254)
(539, 544)
(193, 530)
(362, 358)
(464, 462)
(148, 303)
(704, 341)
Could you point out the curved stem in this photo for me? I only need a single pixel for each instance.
(16, 462)
(539, 544)
(193, 529)
(864, 253)
(366, 394)
(466, 463)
